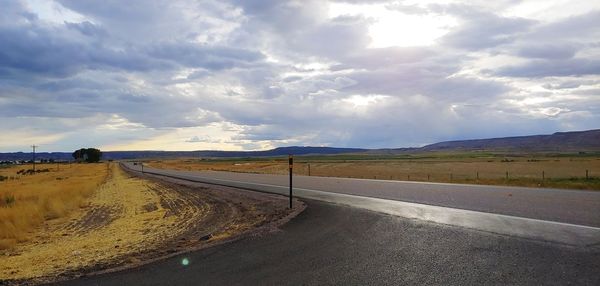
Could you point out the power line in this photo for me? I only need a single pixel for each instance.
(34, 146)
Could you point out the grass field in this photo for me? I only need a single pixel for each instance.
(28, 200)
(112, 223)
(554, 171)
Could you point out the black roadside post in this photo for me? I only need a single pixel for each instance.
(291, 163)
(142, 164)
(587, 175)
(34, 146)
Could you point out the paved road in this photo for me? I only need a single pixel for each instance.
(331, 244)
(568, 206)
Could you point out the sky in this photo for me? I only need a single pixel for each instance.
(253, 75)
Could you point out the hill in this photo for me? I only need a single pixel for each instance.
(557, 142)
(576, 141)
(118, 155)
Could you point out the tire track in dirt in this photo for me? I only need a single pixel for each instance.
(208, 214)
(205, 215)
(96, 217)
(132, 220)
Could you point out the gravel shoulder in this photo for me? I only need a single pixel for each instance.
(130, 221)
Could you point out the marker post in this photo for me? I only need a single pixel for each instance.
(291, 165)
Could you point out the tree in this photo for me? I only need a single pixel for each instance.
(89, 155)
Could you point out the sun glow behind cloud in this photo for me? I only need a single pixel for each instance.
(392, 27)
(247, 75)
(364, 100)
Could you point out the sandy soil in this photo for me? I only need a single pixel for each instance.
(130, 221)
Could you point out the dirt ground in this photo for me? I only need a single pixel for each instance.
(129, 221)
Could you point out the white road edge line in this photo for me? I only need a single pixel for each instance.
(551, 231)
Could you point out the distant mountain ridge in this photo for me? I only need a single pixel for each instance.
(575, 141)
(558, 142)
(117, 155)
(280, 151)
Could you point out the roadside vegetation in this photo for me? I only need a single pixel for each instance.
(27, 199)
(122, 215)
(94, 217)
(529, 170)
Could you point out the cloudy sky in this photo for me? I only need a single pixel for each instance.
(247, 75)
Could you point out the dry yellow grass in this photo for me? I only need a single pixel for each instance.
(26, 201)
(559, 172)
(127, 220)
(115, 222)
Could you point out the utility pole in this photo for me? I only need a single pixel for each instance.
(34, 146)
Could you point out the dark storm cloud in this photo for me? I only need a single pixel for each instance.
(545, 68)
(211, 58)
(570, 84)
(573, 27)
(332, 39)
(482, 29)
(555, 49)
(45, 65)
(429, 78)
(38, 50)
(87, 28)
(145, 21)
(547, 51)
(50, 52)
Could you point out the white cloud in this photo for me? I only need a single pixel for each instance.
(257, 74)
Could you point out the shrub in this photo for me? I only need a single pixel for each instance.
(89, 155)
(7, 201)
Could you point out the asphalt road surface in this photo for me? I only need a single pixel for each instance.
(332, 244)
(567, 206)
